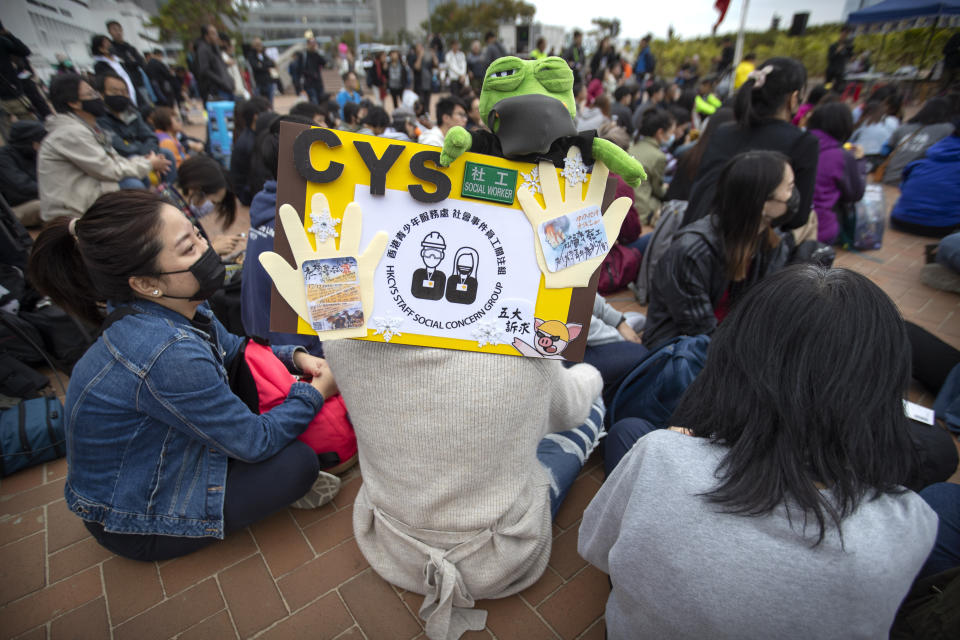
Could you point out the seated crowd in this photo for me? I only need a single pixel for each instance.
(788, 472)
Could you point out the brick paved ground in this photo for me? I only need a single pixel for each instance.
(300, 574)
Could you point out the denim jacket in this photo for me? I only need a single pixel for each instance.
(152, 423)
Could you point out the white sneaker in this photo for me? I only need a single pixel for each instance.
(323, 490)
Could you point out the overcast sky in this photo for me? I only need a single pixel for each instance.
(689, 17)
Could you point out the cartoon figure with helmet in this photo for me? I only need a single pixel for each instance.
(429, 282)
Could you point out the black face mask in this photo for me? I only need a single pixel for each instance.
(209, 272)
(117, 103)
(529, 123)
(96, 108)
(793, 206)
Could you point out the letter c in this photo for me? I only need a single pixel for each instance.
(301, 155)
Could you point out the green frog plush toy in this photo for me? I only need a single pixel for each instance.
(529, 107)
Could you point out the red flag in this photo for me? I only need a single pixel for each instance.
(721, 6)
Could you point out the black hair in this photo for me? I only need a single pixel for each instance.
(690, 161)
(753, 104)
(266, 148)
(934, 111)
(64, 88)
(816, 94)
(157, 52)
(446, 107)
(834, 119)
(351, 111)
(100, 81)
(654, 120)
(577, 32)
(163, 118)
(308, 110)
(203, 173)
(246, 111)
(744, 185)
(96, 42)
(622, 92)
(803, 385)
(872, 112)
(491, 34)
(376, 117)
(117, 237)
(349, 72)
(655, 86)
(113, 22)
(750, 56)
(680, 115)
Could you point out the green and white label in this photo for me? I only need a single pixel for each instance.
(485, 182)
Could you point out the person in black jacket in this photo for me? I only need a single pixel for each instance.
(713, 261)
(261, 64)
(212, 77)
(838, 55)
(763, 108)
(130, 58)
(163, 79)
(18, 170)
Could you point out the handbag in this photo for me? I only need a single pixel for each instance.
(877, 174)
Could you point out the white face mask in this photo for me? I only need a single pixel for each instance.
(669, 141)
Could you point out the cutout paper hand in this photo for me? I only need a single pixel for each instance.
(577, 275)
(289, 281)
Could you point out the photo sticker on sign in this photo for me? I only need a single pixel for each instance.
(333, 294)
(573, 238)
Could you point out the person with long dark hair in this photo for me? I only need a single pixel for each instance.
(763, 108)
(689, 163)
(777, 502)
(201, 189)
(712, 262)
(163, 457)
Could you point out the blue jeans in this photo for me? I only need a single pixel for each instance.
(134, 183)
(253, 492)
(564, 453)
(266, 91)
(641, 243)
(614, 360)
(944, 498)
(621, 438)
(948, 254)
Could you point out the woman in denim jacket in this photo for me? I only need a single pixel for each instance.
(163, 458)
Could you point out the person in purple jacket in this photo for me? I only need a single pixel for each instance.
(841, 174)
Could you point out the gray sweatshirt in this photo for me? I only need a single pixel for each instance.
(682, 569)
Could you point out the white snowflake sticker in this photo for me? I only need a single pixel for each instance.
(487, 332)
(532, 180)
(324, 226)
(574, 171)
(387, 326)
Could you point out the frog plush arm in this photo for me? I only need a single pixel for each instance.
(619, 162)
(457, 141)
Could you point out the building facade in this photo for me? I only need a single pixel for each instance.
(285, 21)
(50, 27)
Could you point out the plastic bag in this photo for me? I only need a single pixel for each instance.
(871, 218)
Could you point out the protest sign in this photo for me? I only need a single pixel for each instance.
(388, 246)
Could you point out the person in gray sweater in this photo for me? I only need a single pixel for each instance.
(466, 457)
(776, 508)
